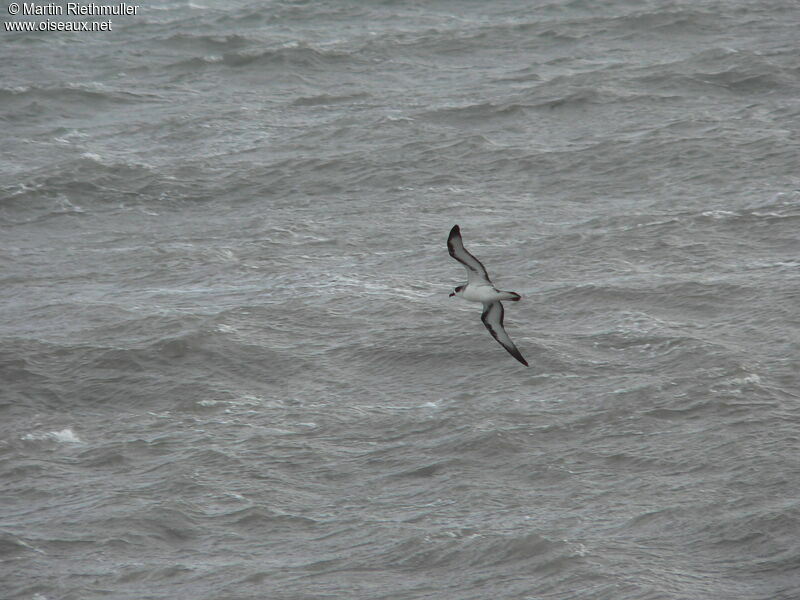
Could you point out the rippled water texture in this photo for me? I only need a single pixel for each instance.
(229, 366)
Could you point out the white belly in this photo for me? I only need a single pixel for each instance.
(483, 293)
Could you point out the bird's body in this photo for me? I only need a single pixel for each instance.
(484, 293)
(479, 288)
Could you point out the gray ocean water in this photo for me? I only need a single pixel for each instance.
(229, 365)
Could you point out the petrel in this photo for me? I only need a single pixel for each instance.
(479, 288)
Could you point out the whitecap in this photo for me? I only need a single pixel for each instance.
(749, 378)
(65, 436)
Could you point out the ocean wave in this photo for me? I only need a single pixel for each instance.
(476, 550)
(12, 546)
(736, 71)
(327, 99)
(64, 436)
(301, 59)
(668, 21)
(188, 40)
(80, 95)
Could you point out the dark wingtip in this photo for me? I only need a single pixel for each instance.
(455, 232)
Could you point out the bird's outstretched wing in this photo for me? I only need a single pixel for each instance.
(476, 272)
(492, 317)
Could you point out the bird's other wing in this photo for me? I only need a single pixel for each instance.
(492, 317)
(476, 272)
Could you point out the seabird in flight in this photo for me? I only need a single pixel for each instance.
(479, 288)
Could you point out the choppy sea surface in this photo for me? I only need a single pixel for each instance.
(229, 365)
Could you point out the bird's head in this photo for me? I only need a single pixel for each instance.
(457, 291)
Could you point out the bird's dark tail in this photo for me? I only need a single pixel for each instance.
(512, 296)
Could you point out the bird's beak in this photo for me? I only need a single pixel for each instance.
(452, 294)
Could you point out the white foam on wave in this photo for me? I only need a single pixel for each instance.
(719, 214)
(244, 400)
(65, 436)
(749, 378)
(66, 206)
